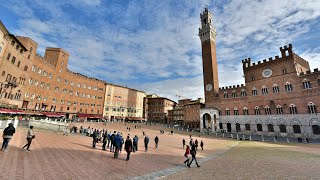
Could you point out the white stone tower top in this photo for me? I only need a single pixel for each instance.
(207, 30)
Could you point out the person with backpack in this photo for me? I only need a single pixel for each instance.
(128, 147)
(30, 136)
(193, 153)
(7, 135)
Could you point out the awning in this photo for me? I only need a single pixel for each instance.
(10, 111)
(32, 113)
(90, 116)
(134, 118)
(119, 117)
(53, 114)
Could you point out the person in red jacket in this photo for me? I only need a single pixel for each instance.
(187, 155)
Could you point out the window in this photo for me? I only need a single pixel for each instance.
(93, 97)
(45, 98)
(12, 43)
(18, 65)
(42, 84)
(247, 126)
(44, 73)
(238, 128)
(236, 111)
(267, 110)
(95, 88)
(259, 127)
(296, 129)
(72, 83)
(312, 108)
(26, 95)
(279, 109)
(264, 90)
(3, 73)
(77, 93)
(64, 91)
(243, 93)
(58, 79)
(225, 94)
(275, 88)
(84, 86)
(270, 128)
(88, 95)
(50, 75)
(71, 92)
(245, 111)
(284, 71)
(61, 101)
(234, 94)
(8, 57)
(306, 84)
(288, 87)
(227, 112)
(256, 110)
(17, 47)
(39, 70)
(254, 92)
(60, 70)
(78, 85)
(56, 89)
(89, 87)
(33, 69)
(13, 60)
(252, 78)
(36, 83)
(316, 129)
(48, 86)
(66, 81)
(100, 89)
(25, 68)
(283, 128)
(293, 109)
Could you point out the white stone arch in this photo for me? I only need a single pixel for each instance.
(295, 122)
(281, 121)
(215, 118)
(314, 121)
(258, 121)
(254, 88)
(288, 83)
(275, 85)
(269, 121)
(235, 108)
(305, 80)
(278, 106)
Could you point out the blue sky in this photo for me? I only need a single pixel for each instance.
(153, 45)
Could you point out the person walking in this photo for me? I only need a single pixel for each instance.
(135, 143)
(104, 140)
(196, 144)
(187, 155)
(193, 153)
(128, 147)
(94, 138)
(183, 143)
(30, 136)
(117, 144)
(146, 142)
(156, 141)
(112, 142)
(7, 135)
(201, 145)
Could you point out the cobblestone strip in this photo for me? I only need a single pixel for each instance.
(169, 171)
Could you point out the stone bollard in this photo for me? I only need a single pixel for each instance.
(243, 137)
(237, 136)
(262, 138)
(274, 139)
(222, 134)
(250, 137)
(288, 140)
(231, 136)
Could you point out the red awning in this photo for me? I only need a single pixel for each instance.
(53, 114)
(90, 116)
(10, 111)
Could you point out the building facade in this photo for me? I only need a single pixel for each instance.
(279, 97)
(158, 108)
(30, 81)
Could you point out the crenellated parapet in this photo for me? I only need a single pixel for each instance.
(309, 72)
(84, 76)
(233, 87)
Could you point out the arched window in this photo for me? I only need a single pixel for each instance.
(264, 90)
(296, 129)
(234, 94)
(267, 110)
(275, 88)
(243, 93)
(306, 84)
(293, 109)
(283, 128)
(279, 109)
(270, 128)
(316, 129)
(259, 127)
(288, 87)
(257, 110)
(238, 129)
(254, 92)
(245, 111)
(225, 94)
(236, 111)
(247, 126)
(312, 108)
(227, 112)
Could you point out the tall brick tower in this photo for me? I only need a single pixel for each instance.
(207, 34)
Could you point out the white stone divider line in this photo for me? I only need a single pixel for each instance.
(172, 170)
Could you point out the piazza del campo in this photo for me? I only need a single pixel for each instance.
(124, 90)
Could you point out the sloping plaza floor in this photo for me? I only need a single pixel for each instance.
(54, 156)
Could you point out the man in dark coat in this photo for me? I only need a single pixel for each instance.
(156, 141)
(104, 140)
(193, 153)
(7, 135)
(146, 142)
(135, 143)
(128, 147)
(94, 138)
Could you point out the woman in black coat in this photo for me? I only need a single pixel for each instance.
(128, 147)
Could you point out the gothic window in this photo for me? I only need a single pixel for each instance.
(316, 129)
(225, 94)
(270, 128)
(44, 73)
(254, 92)
(227, 112)
(18, 65)
(275, 88)
(312, 108)
(66, 81)
(58, 79)
(293, 109)
(283, 128)
(238, 128)
(235, 111)
(234, 94)
(245, 111)
(259, 127)
(288, 87)
(65, 91)
(267, 110)
(319, 82)
(13, 60)
(243, 93)
(39, 70)
(219, 110)
(279, 109)
(264, 90)
(56, 89)
(256, 110)
(296, 129)
(247, 126)
(306, 84)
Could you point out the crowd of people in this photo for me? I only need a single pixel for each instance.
(191, 151)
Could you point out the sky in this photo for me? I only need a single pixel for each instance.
(153, 45)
